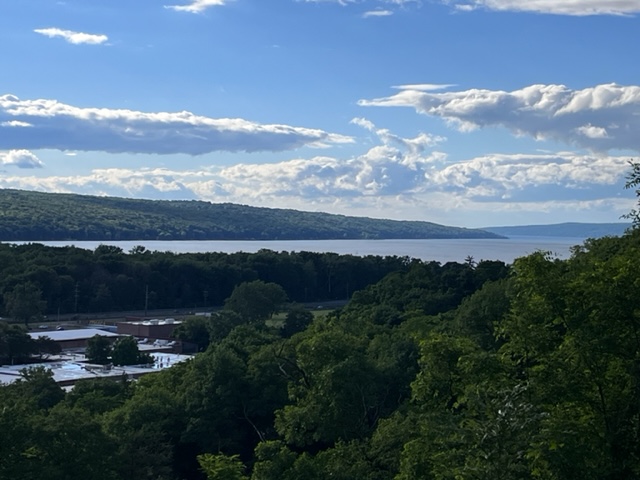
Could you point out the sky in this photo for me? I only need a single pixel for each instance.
(460, 112)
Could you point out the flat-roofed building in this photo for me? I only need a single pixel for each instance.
(151, 329)
(74, 339)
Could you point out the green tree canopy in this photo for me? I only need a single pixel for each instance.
(256, 301)
(125, 351)
(222, 467)
(98, 350)
(24, 303)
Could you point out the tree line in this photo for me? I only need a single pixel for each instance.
(39, 279)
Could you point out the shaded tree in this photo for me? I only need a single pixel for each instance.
(24, 303)
(98, 349)
(297, 320)
(256, 301)
(194, 330)
(125, 351)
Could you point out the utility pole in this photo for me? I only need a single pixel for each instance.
(146, 299)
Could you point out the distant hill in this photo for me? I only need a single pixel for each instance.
(36, 216)
(577, 230)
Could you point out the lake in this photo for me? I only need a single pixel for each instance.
(454, 250)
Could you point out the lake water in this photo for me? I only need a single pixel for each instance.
(455, 250)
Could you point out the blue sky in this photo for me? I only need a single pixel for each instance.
(461, 112)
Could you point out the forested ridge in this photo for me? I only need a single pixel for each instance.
(456, 371)
(37, 216)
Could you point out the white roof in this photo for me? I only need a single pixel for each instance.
(74, 370)
(78, 334)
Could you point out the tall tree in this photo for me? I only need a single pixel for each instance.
(125, 351)
(98, 350)
(256, 301)
(24, 303)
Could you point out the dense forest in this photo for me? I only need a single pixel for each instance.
(457, 371)
(76, 280)
(37, 216)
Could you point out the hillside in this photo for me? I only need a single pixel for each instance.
(571, 229)
(36, 216)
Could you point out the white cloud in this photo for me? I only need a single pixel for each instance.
(557, 7)
(377, 13)
(20, 159)
(593, 132)
(197, 6)
(395, 167)
(561, 176)
(64, 127)
(601, 118)
(15, 123)
(76, 38)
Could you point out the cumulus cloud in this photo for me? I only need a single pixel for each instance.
(559, 176)
(20, 159)
(55, 125)
(76, 38)
(557, 7)
(394, 168)
(197, 6)
(600, 118)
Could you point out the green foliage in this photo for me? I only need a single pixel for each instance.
(125, 351)
(256, 301)
(24, 303)
(45, 346)
(297, 320)
(194, 330)
(99, 395)
(222, 467)
(37, 387)
(633, 182)
(98, 350)
(15, 344)
(73, 280)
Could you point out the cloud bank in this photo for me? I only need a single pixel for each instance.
(601, 118)
(556, 7)
(58, 126)
(76, 38)
(396, 173)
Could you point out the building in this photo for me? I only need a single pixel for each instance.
(74, 339)
(150, 329)
(67, 370)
